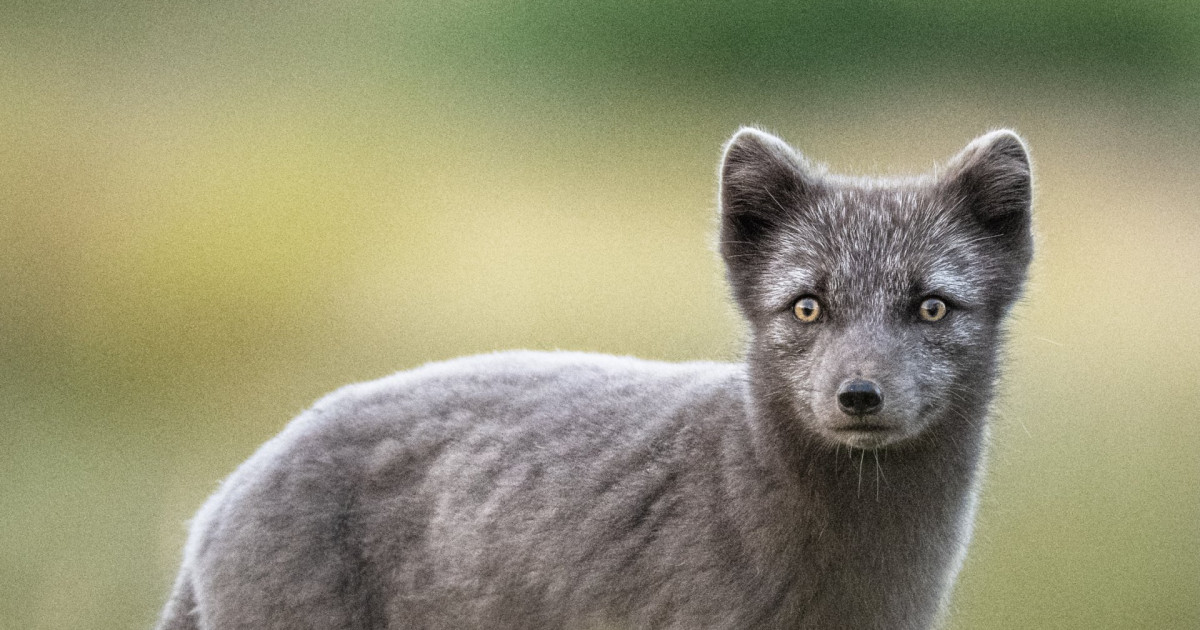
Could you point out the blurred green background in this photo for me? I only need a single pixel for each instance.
(213, 213)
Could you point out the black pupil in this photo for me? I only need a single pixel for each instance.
(933, 308)
(807, 307)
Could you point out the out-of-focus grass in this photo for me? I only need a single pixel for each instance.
(210, 218)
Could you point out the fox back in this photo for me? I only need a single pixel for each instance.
(828, 481)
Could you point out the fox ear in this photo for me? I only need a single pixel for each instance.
(991, 180)
(762, 180)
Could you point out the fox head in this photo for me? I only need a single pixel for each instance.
(875, 307)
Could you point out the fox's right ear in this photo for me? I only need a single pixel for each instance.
(763, 180)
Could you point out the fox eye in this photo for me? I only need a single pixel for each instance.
(807, 309)
(932, 309)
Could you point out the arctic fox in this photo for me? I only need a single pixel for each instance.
(828, 481)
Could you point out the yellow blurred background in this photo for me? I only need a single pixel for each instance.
(213, 213)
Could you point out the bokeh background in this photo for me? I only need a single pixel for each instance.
(213, 213)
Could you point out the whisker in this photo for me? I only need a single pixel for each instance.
(879, 468)
(861, 457)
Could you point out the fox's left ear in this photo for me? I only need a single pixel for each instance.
(991, 180)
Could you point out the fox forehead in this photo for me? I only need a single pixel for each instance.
(875, 245)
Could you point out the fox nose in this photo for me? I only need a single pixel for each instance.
(859, 397)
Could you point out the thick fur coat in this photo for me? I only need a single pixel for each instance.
(530, 490)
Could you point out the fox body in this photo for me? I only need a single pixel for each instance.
(826, 482)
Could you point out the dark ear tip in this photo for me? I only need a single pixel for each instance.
(752, 141)
(748, 133)
(1004, 143)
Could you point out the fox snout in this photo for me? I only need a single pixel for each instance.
(856, 413)
(866, 396)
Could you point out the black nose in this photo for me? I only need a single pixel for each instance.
(859, 397)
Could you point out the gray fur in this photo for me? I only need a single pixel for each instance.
(530, 490)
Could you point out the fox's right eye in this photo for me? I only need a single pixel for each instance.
(807, 309)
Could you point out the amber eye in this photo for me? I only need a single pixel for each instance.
(807, 309)
(933, 309)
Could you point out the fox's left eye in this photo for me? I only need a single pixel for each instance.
(932, 309)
